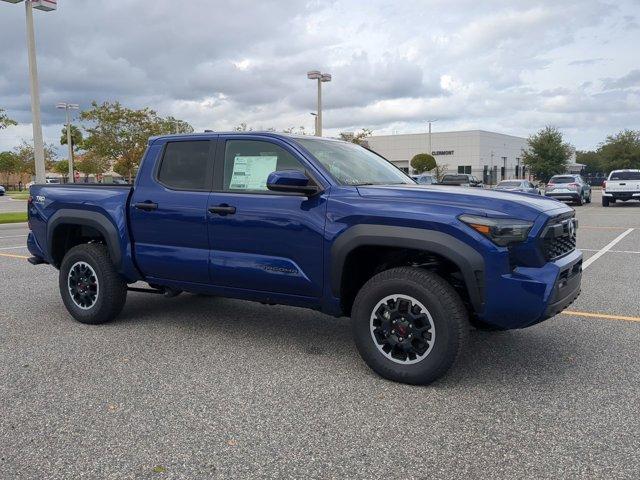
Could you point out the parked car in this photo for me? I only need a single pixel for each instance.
(315, 223)
(2, 191)
(621, 185)
(571, 188)
(424, 179)
(524, 186)
(462, 180)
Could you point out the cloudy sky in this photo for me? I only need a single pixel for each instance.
(507, 66)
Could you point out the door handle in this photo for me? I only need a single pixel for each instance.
(147, 206)
(223, 210)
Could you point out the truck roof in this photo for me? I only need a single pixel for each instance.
(233, 133)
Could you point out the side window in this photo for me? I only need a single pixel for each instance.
(185, 165)
(248, 163)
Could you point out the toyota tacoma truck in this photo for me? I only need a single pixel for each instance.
(315, 223)
(621, 185)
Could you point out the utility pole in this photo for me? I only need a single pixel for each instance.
(320, 77)
(38, 144)
(67, 107)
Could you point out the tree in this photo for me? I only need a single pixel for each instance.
(5, 121)
(440, 170)
(242, 128)
(120, 134)
(26, 157)
(357, 137)
(621, 150)
(61, 167)
(9, 165)
(591, 160)
(295, 131)
(76, 137)
(173, 125)
(423, 162)
(548, 154)
(91, 164)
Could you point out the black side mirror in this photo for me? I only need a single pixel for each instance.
(292, 181)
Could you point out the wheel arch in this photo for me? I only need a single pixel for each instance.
(83, 218)
(465, 258)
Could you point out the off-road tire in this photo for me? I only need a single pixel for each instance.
(448, 313)
(111, 294)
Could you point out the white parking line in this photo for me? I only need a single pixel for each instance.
(606, 248)
(609, 251)
(14, 247)
(13, 236)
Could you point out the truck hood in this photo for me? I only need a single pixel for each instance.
(516, 204)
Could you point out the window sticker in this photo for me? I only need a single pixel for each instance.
(251, 172)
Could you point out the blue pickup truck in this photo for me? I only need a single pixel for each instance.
(316, 223)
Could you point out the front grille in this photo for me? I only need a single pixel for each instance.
(559, 237)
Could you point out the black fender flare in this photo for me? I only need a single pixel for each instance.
(467, 259)
(69, 216)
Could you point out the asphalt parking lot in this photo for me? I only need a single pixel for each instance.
(196, 387)
(8, 204)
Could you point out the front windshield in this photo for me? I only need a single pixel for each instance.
(350, 164)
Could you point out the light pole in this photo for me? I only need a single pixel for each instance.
(67, 107)
(320, 77)
(430, 122)
(38, 144)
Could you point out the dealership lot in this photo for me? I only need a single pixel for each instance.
(195, 387)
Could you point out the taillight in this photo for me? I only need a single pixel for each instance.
(573, 185)
(604, 184)
(29, 200)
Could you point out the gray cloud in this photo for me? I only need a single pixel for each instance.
(494, 64)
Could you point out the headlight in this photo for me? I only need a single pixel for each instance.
(501, 231)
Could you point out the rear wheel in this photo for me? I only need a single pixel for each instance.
(91, 288)
(605, 201)
(580, 200)
(409, 325)
(589, 198)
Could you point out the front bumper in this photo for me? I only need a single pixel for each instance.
(527, 295)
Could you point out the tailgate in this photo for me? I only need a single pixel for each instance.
(623, 186)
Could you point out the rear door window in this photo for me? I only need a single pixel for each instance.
(186, 165)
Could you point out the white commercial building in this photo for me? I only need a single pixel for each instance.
(475, 151)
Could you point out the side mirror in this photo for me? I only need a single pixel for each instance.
(292, 181)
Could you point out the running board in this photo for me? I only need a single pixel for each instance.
(146, 290)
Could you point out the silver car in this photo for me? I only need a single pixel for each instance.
(1, 190)
(523, 186)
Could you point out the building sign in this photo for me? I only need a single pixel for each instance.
(442, 152)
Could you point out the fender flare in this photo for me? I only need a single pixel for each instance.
(99, 221)
(467, 259)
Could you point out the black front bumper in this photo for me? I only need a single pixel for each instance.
(565, 290)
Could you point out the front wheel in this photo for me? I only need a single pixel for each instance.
(409, 325)
(91, 288)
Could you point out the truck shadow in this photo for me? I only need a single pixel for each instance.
(538, 355)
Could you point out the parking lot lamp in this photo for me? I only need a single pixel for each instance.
(38, 144)
(320, 77)
(67, 107)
